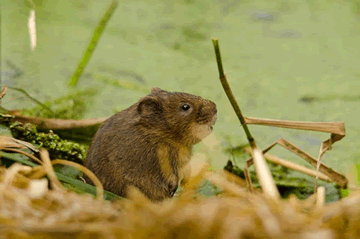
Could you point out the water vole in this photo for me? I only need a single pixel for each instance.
(149, 144)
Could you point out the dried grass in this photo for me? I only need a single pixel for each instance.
(29, 209)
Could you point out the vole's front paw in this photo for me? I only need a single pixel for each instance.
(172, 188)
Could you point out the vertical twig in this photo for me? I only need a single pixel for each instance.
(262, 170)
(91, 47)
(264, 175)
(230, 95)
(321, 154)
(54, 181)
(320, 198)
(248, 179)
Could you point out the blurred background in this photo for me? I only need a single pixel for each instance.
(287, 60)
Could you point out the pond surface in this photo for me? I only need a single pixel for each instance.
(288, 60)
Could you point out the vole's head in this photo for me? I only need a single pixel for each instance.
(180, 116)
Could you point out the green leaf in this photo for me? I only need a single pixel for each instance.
(4, 131)
(67, 171)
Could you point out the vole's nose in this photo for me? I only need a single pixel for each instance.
(214, 111)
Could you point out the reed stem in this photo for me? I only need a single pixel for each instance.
(92, 44)
(230, 95)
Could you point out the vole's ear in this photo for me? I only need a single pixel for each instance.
(149, 105)
(156, 90)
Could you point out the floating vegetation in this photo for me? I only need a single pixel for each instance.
(58, 148)
(71, 106)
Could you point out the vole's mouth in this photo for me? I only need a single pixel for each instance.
(203, 129)
(210, 122)
(213, 121)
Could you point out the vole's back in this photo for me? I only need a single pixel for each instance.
(145, 145)
(121, 155)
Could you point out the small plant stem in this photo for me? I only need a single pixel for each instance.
(93, 42)
(32, 98)
(32, 4)
(230, 95)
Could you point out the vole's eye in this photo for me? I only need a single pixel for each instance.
(185, 107)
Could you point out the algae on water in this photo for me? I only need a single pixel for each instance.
(71, 106)
(58, 148)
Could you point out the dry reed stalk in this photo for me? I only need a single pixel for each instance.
(11, 173)
(24, 153)
(3, 91)
(248, 179)
(56, 124)
(297, 167)
(264, 175)
(320, 198)
(337, 130)
(327, 127)
(32, 29)
(340, 179)
(91, 175)
(55, 183)
(10, 142)
(335, 176)
(294, 166)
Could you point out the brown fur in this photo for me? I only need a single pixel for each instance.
(148, 144)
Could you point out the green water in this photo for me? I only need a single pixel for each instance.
(274, 53)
